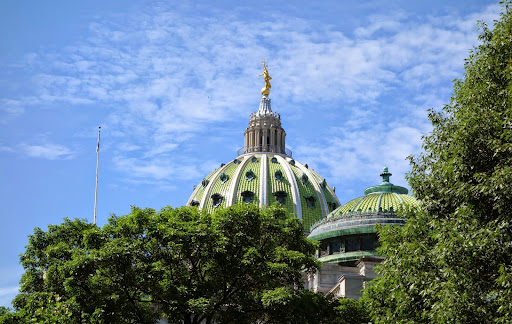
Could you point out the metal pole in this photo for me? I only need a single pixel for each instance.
(97, 172)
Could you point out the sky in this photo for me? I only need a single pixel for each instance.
(172, 85)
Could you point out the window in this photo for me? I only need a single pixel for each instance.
(280, 197)
(250, 175)
(324, 249)
(352, 244)
(223, 177)
(368, 243)
(216, 200)
(310, 200)
(332, 205)
(335, 247)
(247, 196)
(279, 175)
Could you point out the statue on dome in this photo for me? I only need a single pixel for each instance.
(266, 89)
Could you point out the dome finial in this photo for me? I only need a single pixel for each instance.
(266, 89)
(385, 174)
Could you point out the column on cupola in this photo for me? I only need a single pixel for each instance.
(256, 138)
(272, 147)
(283, 142)
(278, 141)
(264, 139)
(251, 138)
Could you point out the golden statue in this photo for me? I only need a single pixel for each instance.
(266, 89)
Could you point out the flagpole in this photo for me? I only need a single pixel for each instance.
(97, 172)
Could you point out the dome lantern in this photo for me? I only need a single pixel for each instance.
(264, 133)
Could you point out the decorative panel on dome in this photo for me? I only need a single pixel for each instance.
(249, 180)
(388, 201)
(367, 204)
(221, 186)
(310, 212)
(408, 200)
(274, 185)
(332, 201)
(200, 189)
(345, 209)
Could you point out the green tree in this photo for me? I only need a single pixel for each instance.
(452, 261)
(177, 263)
(304, 306)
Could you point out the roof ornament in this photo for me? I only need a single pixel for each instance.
(266, 89)
(385, 175)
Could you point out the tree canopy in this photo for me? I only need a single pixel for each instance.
(452, 261)
(238, 265)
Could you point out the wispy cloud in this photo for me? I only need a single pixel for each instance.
(47, 151)
(168, 78)
(7, 294)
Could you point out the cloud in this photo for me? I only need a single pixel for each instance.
(47, 151)
(157, 168)
(360, 146)
(7, 294)
(10, 109)
(169, 78)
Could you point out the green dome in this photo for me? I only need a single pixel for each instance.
(264, 179)
(264, 173)
(348, 233)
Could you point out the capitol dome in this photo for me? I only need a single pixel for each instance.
(348, 233)
(264, 173)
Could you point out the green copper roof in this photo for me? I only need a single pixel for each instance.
(379, 205)
(386, 186)
(264, 179)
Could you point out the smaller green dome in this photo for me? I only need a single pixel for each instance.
(349, 232)
(382, 198)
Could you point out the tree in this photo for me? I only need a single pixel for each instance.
(305, 306)
(452, 261)
(177, 263)
(349, 311)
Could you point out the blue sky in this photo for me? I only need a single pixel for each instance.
(173, 83)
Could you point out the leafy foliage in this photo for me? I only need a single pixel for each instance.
(452, 262)
(232, 266)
